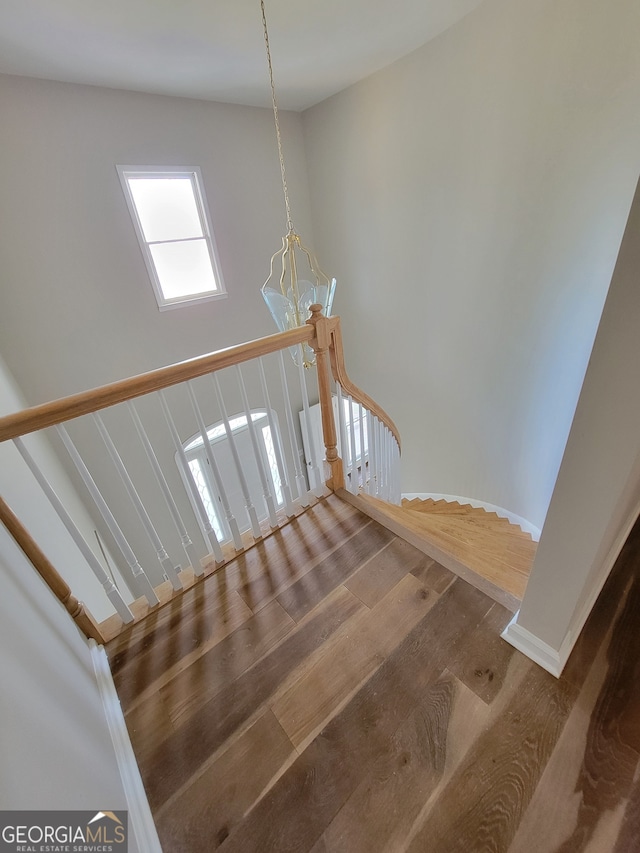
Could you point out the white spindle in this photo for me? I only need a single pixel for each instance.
(387, 462)
(352, 444)
(372, 453)
(215, 471)
(301, 482)
(112, 592)
(142, 581)
(383, 461)
(203, 518)
(275, 435)
(264, 479)
(379, 459)
(163, 558)
(390, 441)
(251, 510)
(187, 544)
(313, 462)
(363, 464)
(342, 427)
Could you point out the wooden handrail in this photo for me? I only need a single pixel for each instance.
(67, 408)
(49, 574)
(339, 372)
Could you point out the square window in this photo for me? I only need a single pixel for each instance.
(170, 216)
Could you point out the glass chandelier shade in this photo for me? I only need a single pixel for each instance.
(287, 295)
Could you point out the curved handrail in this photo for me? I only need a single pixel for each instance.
(339, 372)
(67, 408)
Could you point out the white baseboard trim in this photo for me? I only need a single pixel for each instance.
(139, 810)
(526, 526)
(554, 660)
(534, 648)
(582, 614)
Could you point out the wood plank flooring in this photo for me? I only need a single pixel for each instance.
(334, 690)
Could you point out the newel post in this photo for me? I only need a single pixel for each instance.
(321, 345)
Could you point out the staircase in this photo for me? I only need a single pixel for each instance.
(490, 552)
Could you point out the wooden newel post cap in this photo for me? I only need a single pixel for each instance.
(316, 312)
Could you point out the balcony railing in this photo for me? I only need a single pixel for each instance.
(184, 467)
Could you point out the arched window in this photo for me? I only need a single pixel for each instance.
(205, 480)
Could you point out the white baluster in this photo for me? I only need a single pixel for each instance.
(138, 572)
(391, 477)
(386, 445)
(208, 449)
(163, 558)
(266, 488)
(187, 544)
(113, 594)
(352, 444)
(373, 473)
(379, 461)
(342, 426)
(275, 434)
(301, 483)
(363, 451)
(313, 463)
(373, 431)
(203, 518)
(251, 510)
(384, 468)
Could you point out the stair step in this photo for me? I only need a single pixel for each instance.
(438, 507)
(454, 508)
(491, 546)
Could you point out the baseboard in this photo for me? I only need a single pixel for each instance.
(140, 817)
(582, 614)
(554, 660)
(525, 525)
(534, 648)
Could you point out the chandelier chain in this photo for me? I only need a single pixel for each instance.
(277, 122)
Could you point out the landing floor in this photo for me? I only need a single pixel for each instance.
(334, 689)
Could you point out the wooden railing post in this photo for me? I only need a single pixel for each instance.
(321, 344)
(76, 609)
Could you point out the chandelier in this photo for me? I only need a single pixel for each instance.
(295, 280)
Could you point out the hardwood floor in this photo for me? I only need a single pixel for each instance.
(334, 689)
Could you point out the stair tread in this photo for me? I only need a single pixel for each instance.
(478, 515)
(476, 525)
(497, 550)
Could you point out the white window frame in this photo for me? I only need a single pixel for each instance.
(194, 174)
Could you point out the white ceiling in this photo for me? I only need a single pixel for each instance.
(215, 49)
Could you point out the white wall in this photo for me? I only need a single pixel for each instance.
(596, 499)
(77, 306)
(470, 200)
(54, 740)
(21, 491)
